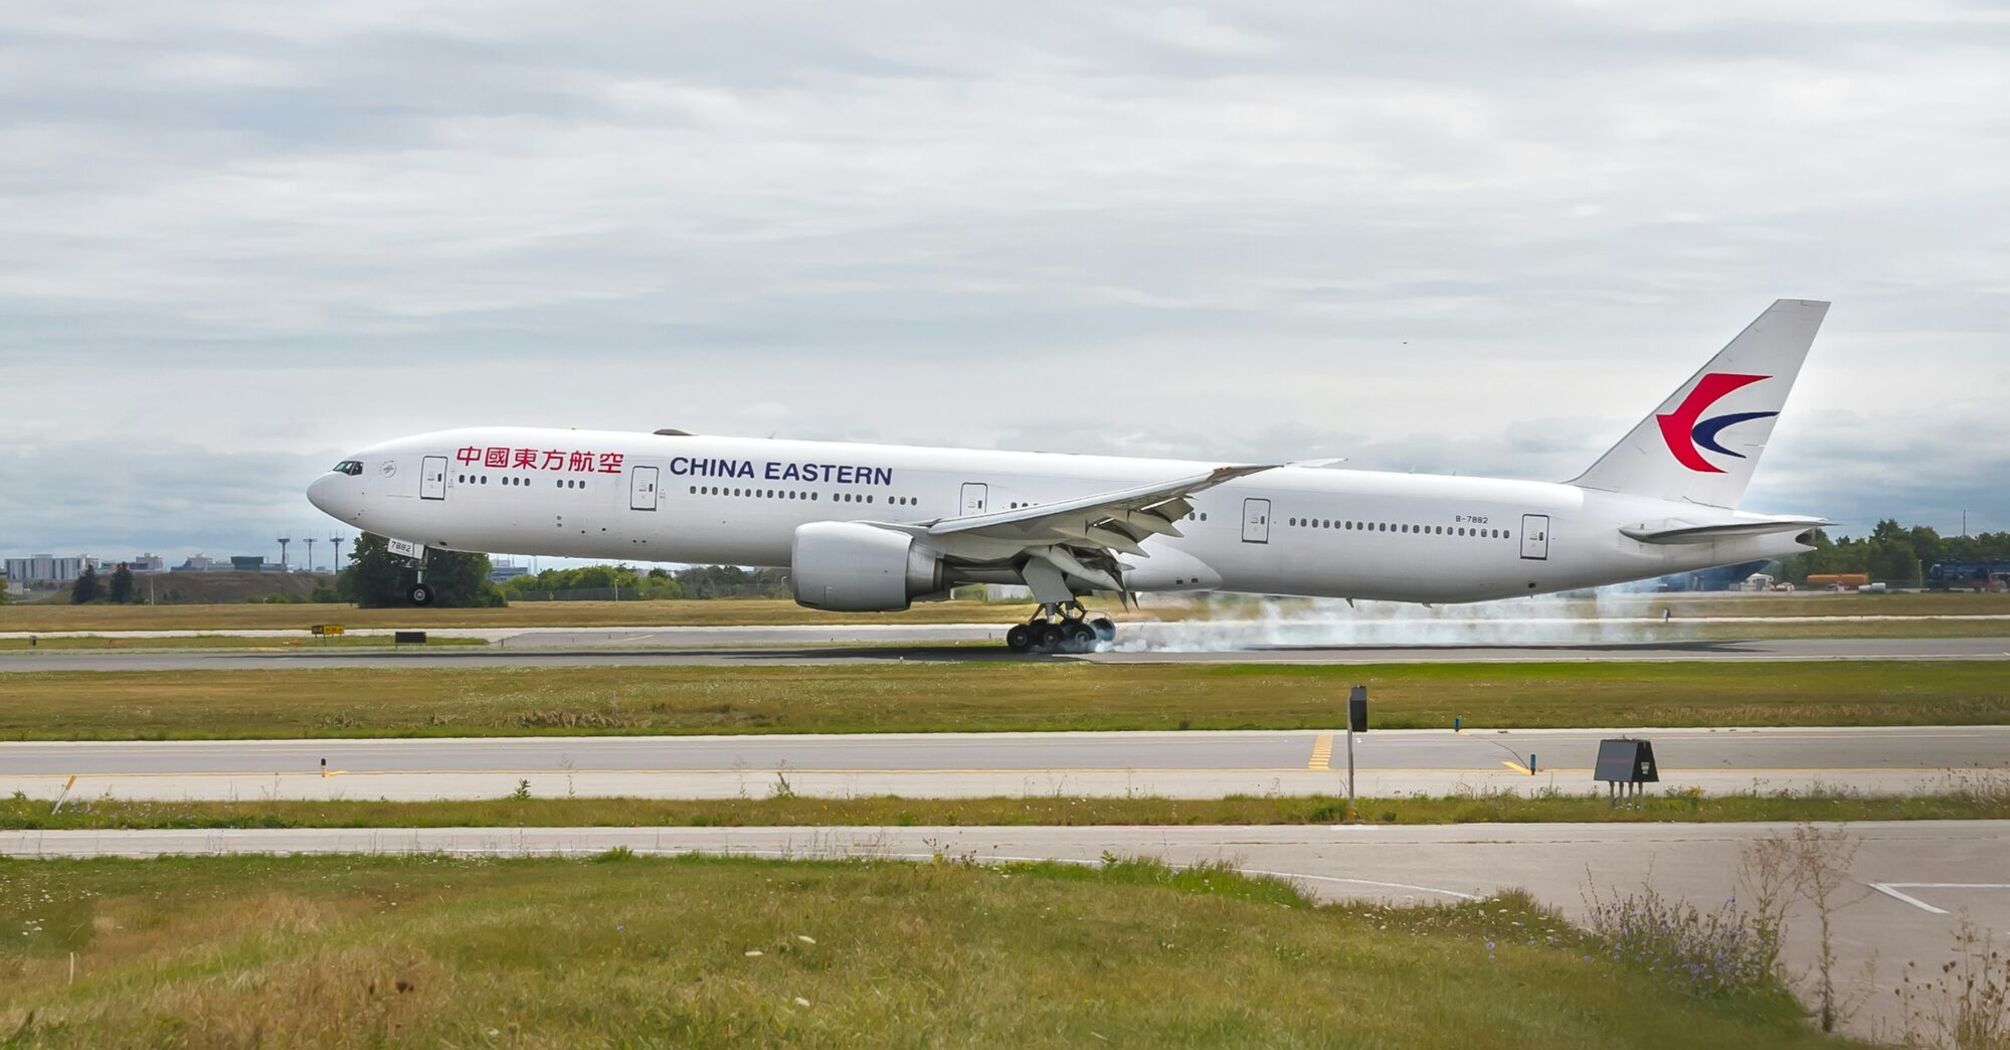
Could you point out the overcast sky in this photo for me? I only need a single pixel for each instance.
(240, 239)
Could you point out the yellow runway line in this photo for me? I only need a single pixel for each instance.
(1322, 754)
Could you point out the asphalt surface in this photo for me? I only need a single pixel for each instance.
(1910, 884)
(756, 646)
(1173, 764)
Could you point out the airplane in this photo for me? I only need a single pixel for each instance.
(864, 527)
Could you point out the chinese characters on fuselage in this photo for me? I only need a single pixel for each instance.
(576, 461)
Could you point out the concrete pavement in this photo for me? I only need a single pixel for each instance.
(1193, 764)
(759, 646)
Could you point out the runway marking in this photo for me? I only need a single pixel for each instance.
(1322, 754)
(1361, 882)
(1891, 889)
(1523, 770)
(499, 848)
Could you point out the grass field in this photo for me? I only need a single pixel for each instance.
(755, 611)
(1975, 799)
(986, 697)
(629, 951)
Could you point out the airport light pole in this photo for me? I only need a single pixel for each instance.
(310, 555)
(1357, 721)
(283, 541)
(337, 541)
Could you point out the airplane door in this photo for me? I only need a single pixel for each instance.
(975, 495)
(433, 477)
(642, 488)
(1256, 521)
(1535, 536)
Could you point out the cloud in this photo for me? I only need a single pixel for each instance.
(116, 499)
(1479, 239)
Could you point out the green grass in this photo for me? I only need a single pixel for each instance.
(351, 702)
(633, 951)
(1976, 799)
(222, 641)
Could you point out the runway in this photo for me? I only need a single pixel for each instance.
(1192, 764)
(759, 646)
(1911, 882)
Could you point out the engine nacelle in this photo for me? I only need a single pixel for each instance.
(843, 566)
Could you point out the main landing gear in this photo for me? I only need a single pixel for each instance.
(418, 591)
(1061, 627)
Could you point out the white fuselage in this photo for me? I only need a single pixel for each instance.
(1291, 530)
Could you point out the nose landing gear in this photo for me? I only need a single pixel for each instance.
(1061, 627)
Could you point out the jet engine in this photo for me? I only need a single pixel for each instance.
(844, 566)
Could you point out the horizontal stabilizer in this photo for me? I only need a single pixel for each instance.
(1673, 532)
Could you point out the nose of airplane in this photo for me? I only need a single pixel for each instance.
(325, 492)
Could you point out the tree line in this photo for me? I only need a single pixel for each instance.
(376, 578)
(697, 581)
(1893, 553)
(90, 588)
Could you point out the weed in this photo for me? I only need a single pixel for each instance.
(1720, 952)
(1966, 1006)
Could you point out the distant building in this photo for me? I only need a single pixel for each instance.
(147, 563)
(504, 571)
(1720, 578)
(44, 568)
(248, 562)
(198, 563)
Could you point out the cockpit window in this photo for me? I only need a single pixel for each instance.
(351, 467)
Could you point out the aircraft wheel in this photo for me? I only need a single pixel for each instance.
(1051, 636)
(1019, 638)
(1081, 637)
(421, 594)
(1106, 628)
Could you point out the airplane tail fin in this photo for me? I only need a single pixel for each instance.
(1703, 442)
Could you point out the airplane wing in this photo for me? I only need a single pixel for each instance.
(1079, 537)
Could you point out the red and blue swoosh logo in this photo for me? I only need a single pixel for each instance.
(1688, 434)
